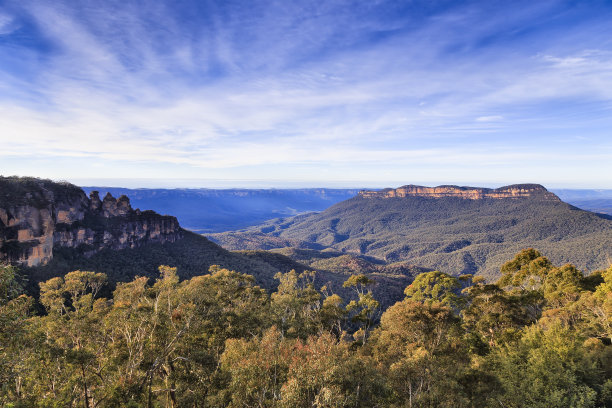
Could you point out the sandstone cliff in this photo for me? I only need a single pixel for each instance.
(534, 191)
(40, 216)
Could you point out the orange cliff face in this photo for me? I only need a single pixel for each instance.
(469, 193)
(37, 216)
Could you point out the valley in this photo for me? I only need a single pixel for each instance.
(99, 294)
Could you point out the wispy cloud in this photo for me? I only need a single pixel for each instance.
(230, 85)
(494, 118)
(7, 24)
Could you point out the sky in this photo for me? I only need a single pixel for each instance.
(330, 93)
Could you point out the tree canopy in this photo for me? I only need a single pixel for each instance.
(539, 337)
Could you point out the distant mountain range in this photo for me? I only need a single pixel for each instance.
(569, 195)
(216, 210)
(219, 210)
(599, 201)
(454, 229)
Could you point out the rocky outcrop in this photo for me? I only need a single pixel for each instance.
(37, 217)
(514, 191)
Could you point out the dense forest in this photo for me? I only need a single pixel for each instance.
(448, 234)
(194, 254)
(539, 337)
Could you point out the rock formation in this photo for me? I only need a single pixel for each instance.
(469, 193)
(40, 216)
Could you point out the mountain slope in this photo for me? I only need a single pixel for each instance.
(454, 229)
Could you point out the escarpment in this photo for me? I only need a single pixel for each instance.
(534, 191)
(40, 216)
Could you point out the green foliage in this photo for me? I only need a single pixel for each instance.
(562, 285)
(435, 287)
(219, 340)
(359, 283)
(15, 311)
(420, 346)
(494, 317)
(257, 368)
(9, 285)
(364, 310)
(296, 304)
(606, 286)
(547, 367)
(526, 271)
(273, 371)
(333, 268)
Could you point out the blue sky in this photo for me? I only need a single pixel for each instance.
(311, 93)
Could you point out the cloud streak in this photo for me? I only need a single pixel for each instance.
(230, 85)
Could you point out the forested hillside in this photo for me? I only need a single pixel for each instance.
(451, 234)
(193, 255)
(539, 337)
